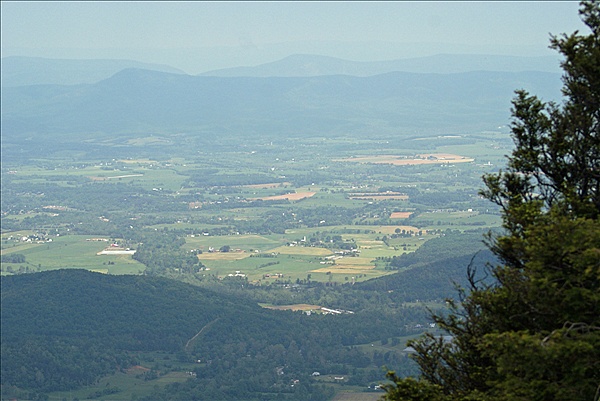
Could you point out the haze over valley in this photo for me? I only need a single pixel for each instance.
(255, 201)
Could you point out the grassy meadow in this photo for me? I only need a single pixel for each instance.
(69, 252)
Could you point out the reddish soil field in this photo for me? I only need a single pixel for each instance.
(292, 197)
(400, 215)
(429, 158)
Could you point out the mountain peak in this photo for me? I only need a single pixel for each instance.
(21, 71)
(303, 65)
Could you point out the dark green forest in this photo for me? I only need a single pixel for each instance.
(534, 333)
(70, 327)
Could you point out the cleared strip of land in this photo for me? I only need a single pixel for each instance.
(267, 186)
(428, 158)
(93, 178)
(302, 250)
(293, 197)
(296, 307)
(223, 255)
(400, 215)
(380, 197)
(392, 229)
(116, 252)
(131, 161)
(340, 269)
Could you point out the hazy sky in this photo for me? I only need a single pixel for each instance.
(197, 36)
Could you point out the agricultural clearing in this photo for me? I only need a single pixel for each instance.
(420, 159)
(326, 207)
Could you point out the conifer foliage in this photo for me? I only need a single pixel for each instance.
(535, 333)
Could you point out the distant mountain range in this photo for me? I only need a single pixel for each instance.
(17, 71)
(138, 101)
(305, 65)
(298, 95)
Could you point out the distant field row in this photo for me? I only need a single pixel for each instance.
(366, 182)
(431, 158)
(252, 255)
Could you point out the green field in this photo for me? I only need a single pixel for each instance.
(160, 189)
(70, 252)
(155, 369)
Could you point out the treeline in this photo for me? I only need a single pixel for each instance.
(46, 363)
(13, 258)
(161, 251)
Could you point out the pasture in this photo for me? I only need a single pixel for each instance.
(261, 258)
(70, 252)
(302, 250)
(248, 242)
(289, 264)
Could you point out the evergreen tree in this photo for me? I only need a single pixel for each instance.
(535, 333)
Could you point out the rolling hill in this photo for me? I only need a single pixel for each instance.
(19, 71)
(65, 329)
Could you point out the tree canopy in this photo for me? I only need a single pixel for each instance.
(535, 333)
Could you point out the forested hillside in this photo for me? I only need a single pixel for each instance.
(67, 328)
(81, 323)
(434, 271)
